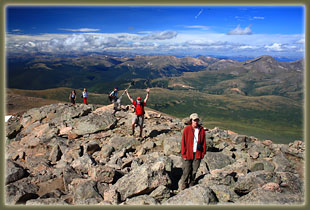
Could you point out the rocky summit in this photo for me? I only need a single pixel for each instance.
(63, 154)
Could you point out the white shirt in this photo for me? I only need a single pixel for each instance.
(84, 94)
(195, 139)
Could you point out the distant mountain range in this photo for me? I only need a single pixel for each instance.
(263, 75)
(262, 96)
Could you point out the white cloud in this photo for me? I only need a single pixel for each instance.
(274, 47)
(161, 35)
(198, 27)
(301, 41)
(16, 30)
(244, 47)
(167, 41)
(79, 29)
(258, 18)
(239, 31)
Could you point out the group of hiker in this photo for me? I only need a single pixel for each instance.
(193, 144)
(72, 96)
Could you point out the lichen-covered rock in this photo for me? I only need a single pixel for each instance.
(161, 193)
(118, 143)
(266, 197)
(83, 155)
(86, 193)
(196, 195)
(14, 172)
(224, 193)
(255, 180)
(142, 180)
(172, 145)
(102, 174)
(141, 200)
(46, 201)
(93, 123)
(217, 160)
(21, 191)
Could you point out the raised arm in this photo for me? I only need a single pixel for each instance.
(128, 96)
(147, 95)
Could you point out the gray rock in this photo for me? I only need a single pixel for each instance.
(119, 143)
(14, 172)
(37, 164)
(92, 147)
(83, 163)
(177, 161)
(238, 139)
(13, 128)
(21, 191)
(291, 182)
(69, 174)
(46, 201)
(105, 151)
(255, 180)
(93, 123)
(282, 164)
(141, 200)
(264, 197)
(196, 195)
(261, 165)
(102, 174)
(142, 180)
(217, 160)
(172, 145)
(148, 145)
(218, 179)
(224, 193)
(161, 193)
(112, 196)
(86, 191)
(55, 154)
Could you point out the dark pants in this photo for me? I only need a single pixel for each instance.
(190, 168)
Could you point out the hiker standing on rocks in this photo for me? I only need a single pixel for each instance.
(193, 149)
(85, 96)
(139, 111)
(113, 98)
(72, 97)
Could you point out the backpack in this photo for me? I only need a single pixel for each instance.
(140, 105)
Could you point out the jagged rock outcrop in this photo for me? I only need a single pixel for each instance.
(62, 154)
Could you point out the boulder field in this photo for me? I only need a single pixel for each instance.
(63, 154)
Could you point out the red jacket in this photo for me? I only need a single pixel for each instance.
(188, 143)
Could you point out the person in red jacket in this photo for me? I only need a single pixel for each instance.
(193, 149)
(139, 111)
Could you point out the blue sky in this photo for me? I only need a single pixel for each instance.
(179, 30)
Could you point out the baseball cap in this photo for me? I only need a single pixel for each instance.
(139, 98)
(194, 116)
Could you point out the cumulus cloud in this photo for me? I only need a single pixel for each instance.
(274, 47)
(161, 42)
(79, 29)
(239, 31)
(161, 35)
(199, 27)
(301, 41)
